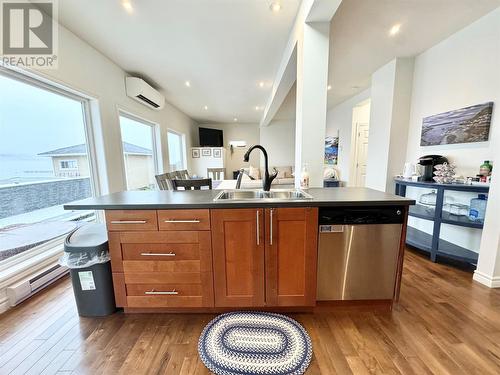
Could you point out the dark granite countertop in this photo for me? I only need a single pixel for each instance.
(151, 200)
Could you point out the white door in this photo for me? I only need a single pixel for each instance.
(361, 153)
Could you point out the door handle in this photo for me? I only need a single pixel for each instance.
(258, 227)
(182, 221)
(128, 221)
(271, 226)
(168, 293)
(171, 254)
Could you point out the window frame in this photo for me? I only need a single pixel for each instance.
(183, 147)
(47, 84)
(155, 141)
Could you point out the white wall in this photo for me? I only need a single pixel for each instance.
(249, 133)
(462, 70)
(391, 88)
(278, 138)
(85, 69)
(339, 120)
(311, 100)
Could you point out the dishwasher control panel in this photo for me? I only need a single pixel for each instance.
(329, 228)
(334, 216)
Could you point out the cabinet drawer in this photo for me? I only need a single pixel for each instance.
(128, 220)
(166, 301)
(131, 266)
(184, 219)
(163, 237)
(165, 295)
(158, 251)
(179, 290)
(162, 277)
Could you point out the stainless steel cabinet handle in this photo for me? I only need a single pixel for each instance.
(170, 293)
(182, 221)
(128, 221)
(271, 227)
(258, 229)
(171, 254)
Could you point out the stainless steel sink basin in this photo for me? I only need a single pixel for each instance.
(256, 195)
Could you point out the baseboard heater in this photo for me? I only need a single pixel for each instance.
(24, 289)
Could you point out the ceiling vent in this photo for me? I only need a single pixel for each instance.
(139, 90)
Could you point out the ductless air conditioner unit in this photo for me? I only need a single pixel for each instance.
(27, 287)
(139, 90)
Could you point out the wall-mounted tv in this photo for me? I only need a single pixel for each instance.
(211, 137)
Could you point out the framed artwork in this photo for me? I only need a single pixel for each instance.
(195, 153)
(465, 125)
(206, 152)
(331, 150)
(217, 153)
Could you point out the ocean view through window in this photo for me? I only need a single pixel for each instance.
(44, 163)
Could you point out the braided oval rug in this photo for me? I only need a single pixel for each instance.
(247, 342)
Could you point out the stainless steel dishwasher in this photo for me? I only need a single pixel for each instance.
(358, 252)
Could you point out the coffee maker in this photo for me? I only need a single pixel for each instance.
(428, 162)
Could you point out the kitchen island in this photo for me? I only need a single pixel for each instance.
(184, 251)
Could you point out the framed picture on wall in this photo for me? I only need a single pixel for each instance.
(217, 153)
(331, 150)
(195, 153)
(206, 152)
(465, 125)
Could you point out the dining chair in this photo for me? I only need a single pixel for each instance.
(192, 184)
(182, 174)
(217, 173)
(164, 180)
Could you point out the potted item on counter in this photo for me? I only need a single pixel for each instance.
(485, 168)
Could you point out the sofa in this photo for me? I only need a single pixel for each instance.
(252, 177)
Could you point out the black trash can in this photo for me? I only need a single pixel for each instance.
(86, 254)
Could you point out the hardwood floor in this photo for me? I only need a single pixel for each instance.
(444, 324)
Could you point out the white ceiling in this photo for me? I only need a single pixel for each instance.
(360, 42)
(223, 47)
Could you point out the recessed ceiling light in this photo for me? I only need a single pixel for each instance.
(205, 108)
(235, 119)
(261, 84)
(329, 87)
(257, 107)
(275, 6)
(187, 83)
(395, 29)
(128, 6)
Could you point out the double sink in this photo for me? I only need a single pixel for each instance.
(259, 195)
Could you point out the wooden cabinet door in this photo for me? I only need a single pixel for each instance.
(291, 256)
(238, 257)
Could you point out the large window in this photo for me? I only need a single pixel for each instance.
(176, 151)
(139, 152)
(44, 163)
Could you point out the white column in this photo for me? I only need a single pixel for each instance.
(488, 265)
(312, 82)
(389, 121)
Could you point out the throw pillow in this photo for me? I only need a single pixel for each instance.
(284, 172)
